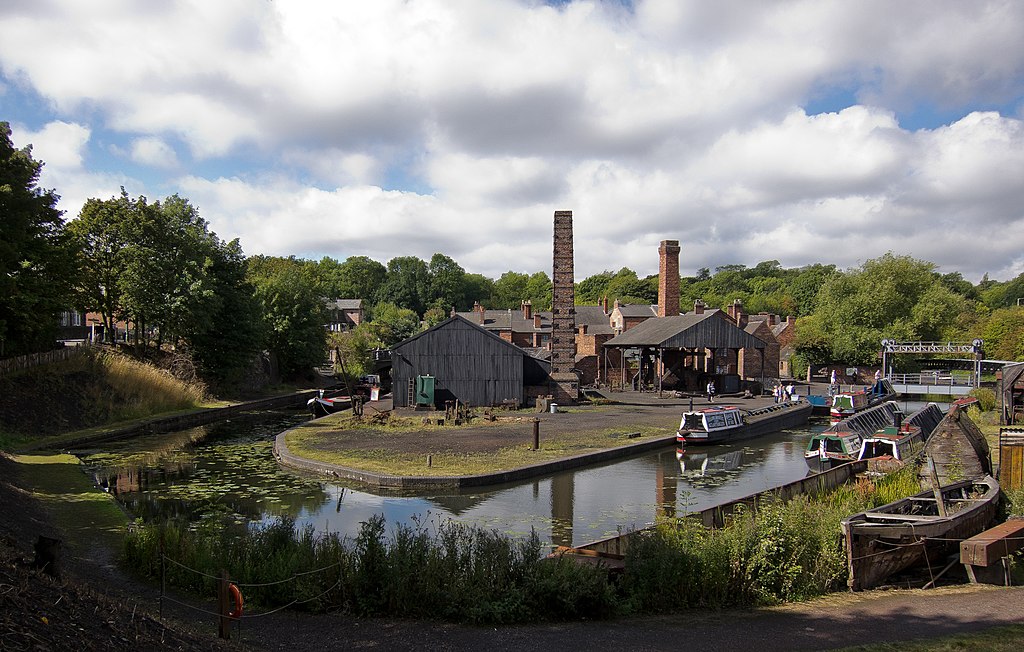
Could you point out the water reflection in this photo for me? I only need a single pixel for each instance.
(230, 469)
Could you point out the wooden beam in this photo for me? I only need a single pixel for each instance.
(992, 545)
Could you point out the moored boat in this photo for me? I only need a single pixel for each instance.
(891, 447)
(322, 406)
(914, 530)
(830, 448)
(714, 425)
(846, 404)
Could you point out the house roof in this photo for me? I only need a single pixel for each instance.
(460, 319)
(595, 319)
(504, 320)
(637, 310)
(689, 331)
(346, 304)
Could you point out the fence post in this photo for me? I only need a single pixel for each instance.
(224, 628)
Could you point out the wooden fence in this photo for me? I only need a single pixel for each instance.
(36, 359)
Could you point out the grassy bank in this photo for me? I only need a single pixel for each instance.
(353, 443)
(92, 523)
(85, 391)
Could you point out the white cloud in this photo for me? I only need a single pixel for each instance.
(670, 119)
(154, 152)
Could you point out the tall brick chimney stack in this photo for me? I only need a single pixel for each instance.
(668, 278)
(565, 382)
(527, 307)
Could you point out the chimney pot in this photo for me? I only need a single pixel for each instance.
(698, 307)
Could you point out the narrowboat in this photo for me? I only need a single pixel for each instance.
(715, 425)
(846, 404)
(832, 448)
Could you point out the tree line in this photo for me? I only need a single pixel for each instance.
(157, 265)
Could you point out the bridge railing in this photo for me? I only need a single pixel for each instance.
(934, 378)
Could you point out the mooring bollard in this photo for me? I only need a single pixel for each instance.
(430, 461)
(536, 433)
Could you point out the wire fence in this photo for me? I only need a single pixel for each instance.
(243, 585)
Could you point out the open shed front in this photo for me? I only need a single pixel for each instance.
(678, 353)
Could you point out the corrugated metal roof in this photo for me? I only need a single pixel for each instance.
(689, 331)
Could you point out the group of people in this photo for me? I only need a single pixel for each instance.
(783, 394)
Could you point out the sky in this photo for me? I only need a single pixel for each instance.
(797, 131)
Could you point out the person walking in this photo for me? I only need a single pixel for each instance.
(711, 391)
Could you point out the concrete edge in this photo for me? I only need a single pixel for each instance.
(383, 481)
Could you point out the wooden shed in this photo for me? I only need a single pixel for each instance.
(686, 342)
(468, 364)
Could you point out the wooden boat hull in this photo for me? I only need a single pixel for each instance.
(784, 415)
(903, 534)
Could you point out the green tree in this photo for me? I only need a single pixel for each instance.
(392, 324)
(805, 286)
(509, 290)
(539, 291)
(36, 260)
(293, 312)
(101, 241)
(478, 288)
(1003, 333)
(591, 290)
(856, 310)
(358, 277)
(225, 341)
(447, 283)
(406, 285)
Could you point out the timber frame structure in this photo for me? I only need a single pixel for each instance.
(680, 343)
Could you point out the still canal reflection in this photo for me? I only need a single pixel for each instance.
(228, 469)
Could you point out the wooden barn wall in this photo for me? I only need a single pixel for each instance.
(468, 365)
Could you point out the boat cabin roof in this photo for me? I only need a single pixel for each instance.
(894, 434)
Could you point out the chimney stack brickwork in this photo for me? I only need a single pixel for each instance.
(668, 278)
(565, 384)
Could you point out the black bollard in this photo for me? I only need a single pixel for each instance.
(536, 433)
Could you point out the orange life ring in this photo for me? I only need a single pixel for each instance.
(236, 597)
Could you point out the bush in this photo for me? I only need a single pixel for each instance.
(986, 398)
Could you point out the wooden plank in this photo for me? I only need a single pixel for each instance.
(993, 544)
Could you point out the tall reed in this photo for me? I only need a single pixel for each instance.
(780, 552)
(443, 570)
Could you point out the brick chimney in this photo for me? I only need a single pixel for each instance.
(736, 312)
(698, 307)
(668, 278)
(479, 310)
(565, 382)
(527, 310)
(604, 304)
(536, 320)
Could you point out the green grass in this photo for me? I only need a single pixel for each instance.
(306, 441)
(90, 518)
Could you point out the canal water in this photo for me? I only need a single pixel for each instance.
(228, 470)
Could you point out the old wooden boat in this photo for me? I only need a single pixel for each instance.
(912, 531)
(846, 404)
(715, 425)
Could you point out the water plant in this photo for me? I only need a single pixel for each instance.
(425, 569)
